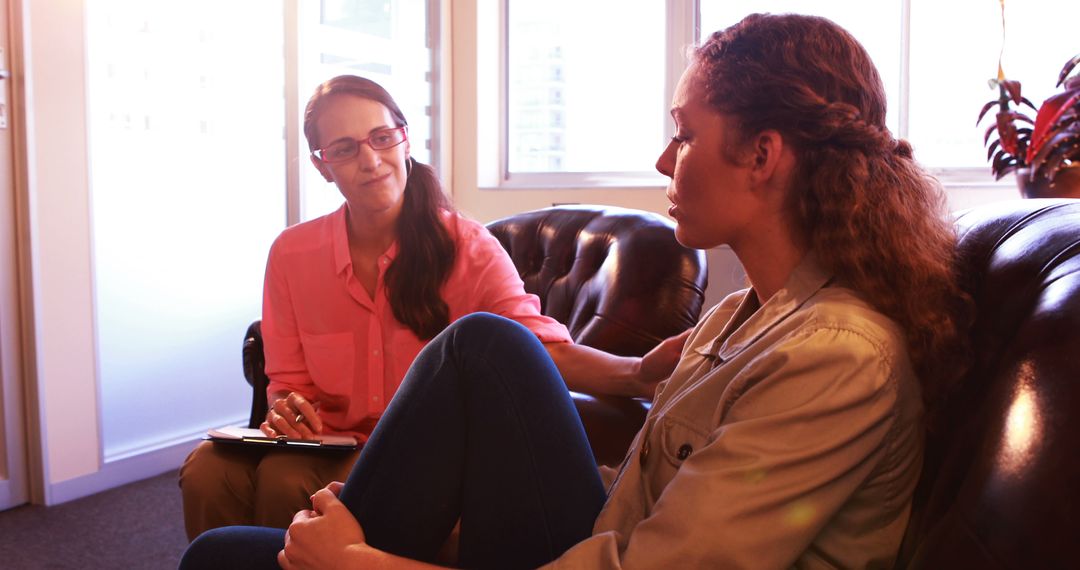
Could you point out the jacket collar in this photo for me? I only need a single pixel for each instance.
(751, 320)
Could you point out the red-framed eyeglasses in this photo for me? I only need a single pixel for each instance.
(347, 148)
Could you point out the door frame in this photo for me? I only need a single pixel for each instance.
(15, 482)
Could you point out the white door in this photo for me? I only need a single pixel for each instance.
(13, 480)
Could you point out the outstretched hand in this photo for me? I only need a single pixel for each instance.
(326, 536)
(658, 364)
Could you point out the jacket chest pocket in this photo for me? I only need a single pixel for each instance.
(674, 441)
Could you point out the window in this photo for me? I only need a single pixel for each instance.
(387, 41)
(876, 24)
(952, 50)
(189, 146)
(582, 97)
(935, 59)
(187, 164)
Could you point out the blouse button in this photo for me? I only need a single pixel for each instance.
(684, 451)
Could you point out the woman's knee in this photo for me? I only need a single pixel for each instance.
(482, 322)
(234, 547)
(488, 328)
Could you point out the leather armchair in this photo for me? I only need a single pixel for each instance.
(618, 280)
(997, 489)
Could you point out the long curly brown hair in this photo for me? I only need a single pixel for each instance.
(426, 251)
(871, 214)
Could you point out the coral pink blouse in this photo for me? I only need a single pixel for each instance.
(330, 341)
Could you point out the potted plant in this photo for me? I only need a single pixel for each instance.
(1044, 152)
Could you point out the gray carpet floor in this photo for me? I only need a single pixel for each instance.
(136, 526)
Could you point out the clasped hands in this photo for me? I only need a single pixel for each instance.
(325, 536)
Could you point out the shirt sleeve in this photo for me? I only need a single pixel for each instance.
(486, 280)
(794, 447)
(285, 364)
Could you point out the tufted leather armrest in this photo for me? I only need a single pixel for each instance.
(999, 478)
(619, 281)
(616, 277)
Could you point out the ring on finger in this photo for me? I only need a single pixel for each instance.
(299, 418)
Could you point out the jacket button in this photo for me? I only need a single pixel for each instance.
(684, 451)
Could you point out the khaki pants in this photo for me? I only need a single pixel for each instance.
(225, 484)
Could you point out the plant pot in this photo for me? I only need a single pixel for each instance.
(1065, 185)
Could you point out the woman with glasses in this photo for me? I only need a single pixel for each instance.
(350, 299)
(790, 433)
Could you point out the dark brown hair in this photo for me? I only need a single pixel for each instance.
(426, 251)
(871, 214)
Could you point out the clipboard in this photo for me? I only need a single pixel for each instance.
(250, 436)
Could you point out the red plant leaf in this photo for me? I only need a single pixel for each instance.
(1051, 167)
(1003, 164)
(1007, 133)
(1047, 121)
(986, 108)
(993, 147)
(1012, 87)
(1018, 116)
(1060, 147)
(1069, 65)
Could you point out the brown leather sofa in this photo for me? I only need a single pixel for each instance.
(999, 479)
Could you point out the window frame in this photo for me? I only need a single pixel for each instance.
(682, 28)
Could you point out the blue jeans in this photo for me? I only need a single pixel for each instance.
(483, 429)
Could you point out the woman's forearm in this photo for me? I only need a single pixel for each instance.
(592, 371)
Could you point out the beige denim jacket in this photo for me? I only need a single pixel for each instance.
(788, 436)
